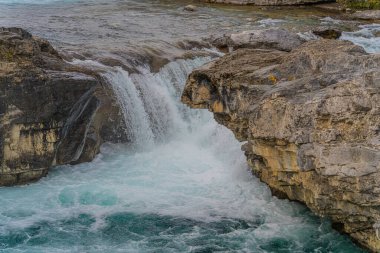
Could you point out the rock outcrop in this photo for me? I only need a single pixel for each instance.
(272, 38)
(51, 112)
(267, 2)
(310, 120)
(372, 15)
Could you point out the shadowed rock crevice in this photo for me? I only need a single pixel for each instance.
(310, 119)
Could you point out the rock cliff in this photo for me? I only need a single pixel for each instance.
(51, 112)
(310, 122)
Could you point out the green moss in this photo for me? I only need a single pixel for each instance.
(361, 4)
(7, 54)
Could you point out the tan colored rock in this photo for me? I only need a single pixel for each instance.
(311, 122)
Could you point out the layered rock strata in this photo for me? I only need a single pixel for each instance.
(51, 112)
(310, 120)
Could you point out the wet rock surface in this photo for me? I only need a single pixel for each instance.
(327, 33)
(51, 112)
(190, 8)
(310, 121)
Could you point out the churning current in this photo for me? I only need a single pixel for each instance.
(182, 185)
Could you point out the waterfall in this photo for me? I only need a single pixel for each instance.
(185, 188)
(136, 119)
(150, 101)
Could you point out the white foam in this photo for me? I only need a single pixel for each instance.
(200, 174)
(368, 37)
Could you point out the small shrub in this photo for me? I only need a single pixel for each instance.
(361, 4)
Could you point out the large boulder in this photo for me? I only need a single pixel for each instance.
(310, 119)
(51, 112)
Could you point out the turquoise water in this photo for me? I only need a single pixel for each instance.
(184, 196)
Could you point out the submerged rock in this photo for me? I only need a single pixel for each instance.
(51, 112)
(310, 119)
(190, 8)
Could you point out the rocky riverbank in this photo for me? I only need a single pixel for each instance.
(309, 119)
(51, 112)
(267, 2)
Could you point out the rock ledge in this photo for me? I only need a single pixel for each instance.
(310, 120)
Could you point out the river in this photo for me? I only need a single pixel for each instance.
(182, 183)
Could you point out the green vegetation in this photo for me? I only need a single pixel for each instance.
(7, 54)
(361, 4)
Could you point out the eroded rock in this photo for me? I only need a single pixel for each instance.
(280, 39)
(310, 119)
(51, 112)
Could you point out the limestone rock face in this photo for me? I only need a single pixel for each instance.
(267, 2)
(50, 111)
(310, 119)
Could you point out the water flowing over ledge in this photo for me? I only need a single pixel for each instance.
(185, 188)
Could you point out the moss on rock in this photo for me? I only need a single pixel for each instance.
(361, 4)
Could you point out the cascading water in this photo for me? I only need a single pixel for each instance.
(367, 37)
(136, 120)
(189, 191)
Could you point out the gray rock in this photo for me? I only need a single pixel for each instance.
(190, 8)
(367, 15)
(280, 39)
